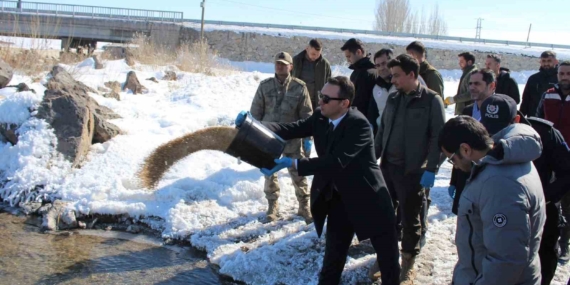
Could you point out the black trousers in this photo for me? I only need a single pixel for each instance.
(338, 239)
(548, 251)
(408, 195)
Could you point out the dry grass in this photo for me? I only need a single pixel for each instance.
(194, 57)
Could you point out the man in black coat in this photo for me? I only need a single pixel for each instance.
(538, 83)
(364, 75)
(505, 83)
(348, 186)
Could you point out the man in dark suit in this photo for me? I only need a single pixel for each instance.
(348, 186)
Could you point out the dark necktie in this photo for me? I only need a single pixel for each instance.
(330, 132)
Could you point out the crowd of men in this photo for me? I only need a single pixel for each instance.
(511, 166)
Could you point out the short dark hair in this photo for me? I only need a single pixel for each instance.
(468, 56)
(316, 44)
(346, 88)
(417, 46)
(564, 63)
(464, 129)
(495, 57)
(385, 51)
(353, 45)
(488, 75)
(548, 54)
(407, 63)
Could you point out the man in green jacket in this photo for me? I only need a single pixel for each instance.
(463, 98)
(311, 67)
(431, 76)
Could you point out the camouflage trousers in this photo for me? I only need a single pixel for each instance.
(272, 189)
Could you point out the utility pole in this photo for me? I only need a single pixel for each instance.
(203, 5)
(528, 36)
(478, 28)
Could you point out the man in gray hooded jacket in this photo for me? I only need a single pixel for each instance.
(502, 209)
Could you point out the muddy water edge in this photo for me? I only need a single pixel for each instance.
(28, 256)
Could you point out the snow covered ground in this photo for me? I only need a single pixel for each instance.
(208, 198)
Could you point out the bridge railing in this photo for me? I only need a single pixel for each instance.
(382, 33)
(66, 10)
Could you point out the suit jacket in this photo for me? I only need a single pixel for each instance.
(346, 164)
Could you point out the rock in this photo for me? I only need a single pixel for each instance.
(133, 84)
(51, 216)
(78, 120)
(152, 79)
(30, 208)
(68, 218)
(98, 63)
(82, 225)
(8, 133)
(23, 87)
(129, 57)
(115, 86)
(134, 229)
(6, 73)
(92, 224)
(113, 95)
(103, 89)
(108, 228)
(169, 75)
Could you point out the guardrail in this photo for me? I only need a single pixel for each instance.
(380, 33)
(65, 10)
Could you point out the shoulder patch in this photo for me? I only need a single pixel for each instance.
(541, 121)
(499, 220)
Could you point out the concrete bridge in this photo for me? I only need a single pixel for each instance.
(78, 25)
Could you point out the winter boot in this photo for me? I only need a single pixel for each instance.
(407, 275)
(564, 254)
(305, 210)
(273, 211)
(374, 272)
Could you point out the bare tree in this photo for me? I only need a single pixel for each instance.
(398, 16)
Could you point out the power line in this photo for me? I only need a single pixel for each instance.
(295, 12)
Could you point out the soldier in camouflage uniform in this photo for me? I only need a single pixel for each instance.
(284, 99)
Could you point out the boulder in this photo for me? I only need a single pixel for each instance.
(8, 133)
(78, 120)
(115, 86)
(152, 79)
(6, 73)
(98, 63)
(112, 95)
(129, 57)
(133, 84)
(169, 75)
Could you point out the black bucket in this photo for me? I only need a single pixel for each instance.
(256, 144)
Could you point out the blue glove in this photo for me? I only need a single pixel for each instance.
(283, 162)
(427, 179)
(307, 144)
(241, 118)
(451, 191)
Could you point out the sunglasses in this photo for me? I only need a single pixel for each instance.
(326, 98)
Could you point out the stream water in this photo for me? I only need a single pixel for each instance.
(94, 257)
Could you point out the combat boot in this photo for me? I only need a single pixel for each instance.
(272, 211)
(305, 210)
(374, 272)
(407, 275)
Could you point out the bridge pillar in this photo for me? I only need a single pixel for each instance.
(65, 44)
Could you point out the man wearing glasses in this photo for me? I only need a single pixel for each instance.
(347, 186)
(407, 145)
(284, 99)
(501, 211)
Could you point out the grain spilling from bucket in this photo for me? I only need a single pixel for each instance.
(166, 155)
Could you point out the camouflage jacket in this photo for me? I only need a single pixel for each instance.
(282, 103)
